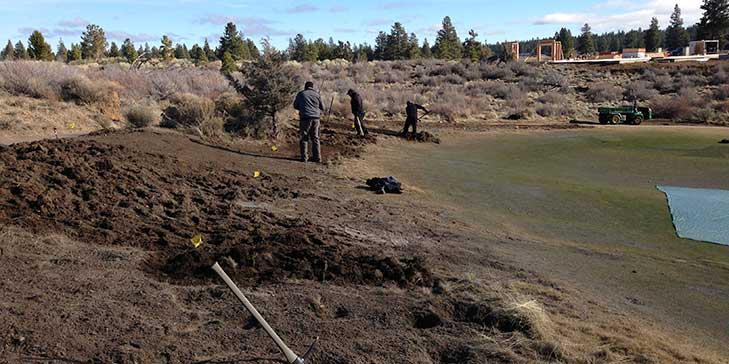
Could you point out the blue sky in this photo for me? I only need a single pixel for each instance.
(191, 21)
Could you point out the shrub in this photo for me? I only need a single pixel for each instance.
(454, 79)
(213, 128)
(555, 79)
(721, 93)
(663, 83)
(81, 90)
(504, 91)
(604, 92)
(518, 106)
(703, 114)
(230, 105)
(722, 107)
(144, 114)
(550, 110)
(639, 90)
(677, 108)
(522, 69)
(554, 98)
(720, 77)
(689, 81)
(35, 79)
(188, 110)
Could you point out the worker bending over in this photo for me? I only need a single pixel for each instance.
(411, 110)
(358, 111)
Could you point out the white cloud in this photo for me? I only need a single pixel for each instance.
(612, 15)
(562, 18)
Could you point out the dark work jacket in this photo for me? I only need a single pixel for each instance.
(309, 104)
(412, 111)
(357, 104)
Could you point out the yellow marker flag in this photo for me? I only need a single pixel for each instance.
(196, 240)
(72, 125)
(256, 174)
(274, 148)
(354, 126)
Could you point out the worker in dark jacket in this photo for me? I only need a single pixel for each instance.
(411, 110)
(358, 111)
(309, 104)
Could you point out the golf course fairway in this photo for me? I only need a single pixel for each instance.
(582, 208)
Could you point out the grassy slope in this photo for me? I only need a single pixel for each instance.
(591, 196)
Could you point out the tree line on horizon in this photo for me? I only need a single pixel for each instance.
(398, 44)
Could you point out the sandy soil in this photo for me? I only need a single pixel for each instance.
(96, 264)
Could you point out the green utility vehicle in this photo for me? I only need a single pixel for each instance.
(625, 114)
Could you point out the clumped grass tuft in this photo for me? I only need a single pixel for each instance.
(188, 110)
(144, 114)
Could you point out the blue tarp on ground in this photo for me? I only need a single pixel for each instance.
(699, 214)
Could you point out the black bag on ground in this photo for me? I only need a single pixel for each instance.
(385, 185)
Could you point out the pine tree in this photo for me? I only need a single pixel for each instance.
(181, 52)
(198, 55)
(472, 48)
(61, 52)
(676, 34)
(586, 41)
(233, 43)
(322, 50)
(567, 40)
(20, 52)
(381, 46)
(154, 52)
(128, 51)
(76, 53)
(361, 56)
(270, 86)
(114, 50)
(228, 66)
(312, 52)
(714, 24)
(447, 44)
(209, 53)
(653, 36)
(8, 53)
(93, 42)
(38, 49)
(397, 44)
(425, 51)
(253, 52)
(414, 51)
(506, 53)
(297, 48)
(166, 50)
(616, 45)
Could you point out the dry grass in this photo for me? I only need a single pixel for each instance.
(188, 110)
(454, 91)
(143, 114)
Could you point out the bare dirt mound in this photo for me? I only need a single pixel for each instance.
(112, 194)
(423, 137)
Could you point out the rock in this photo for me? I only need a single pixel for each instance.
(724, 141)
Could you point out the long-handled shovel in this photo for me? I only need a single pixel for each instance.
(291, 357)
(423, 116)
